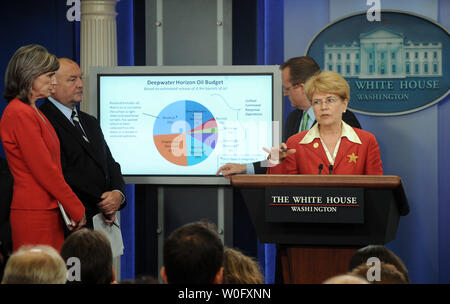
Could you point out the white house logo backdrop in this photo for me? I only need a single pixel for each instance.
(396, 66)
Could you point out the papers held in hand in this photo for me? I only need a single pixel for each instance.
(65, 216)
(112, 232)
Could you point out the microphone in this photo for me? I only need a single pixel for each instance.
(320, 168)
(330, 169)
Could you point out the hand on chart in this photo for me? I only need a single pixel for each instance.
(230, 169)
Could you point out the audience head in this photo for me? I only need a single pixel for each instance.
(388, 274)
(209, 224)
(27, 64)
(39, 264)
(193, 254)
(93, 250)
(294, 73)
(346, 279)
(240, 269)
(382, 253)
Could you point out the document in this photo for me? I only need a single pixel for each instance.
(113, 233)
(64, 215)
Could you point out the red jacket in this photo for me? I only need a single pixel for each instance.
(351, 158)
(32, 150)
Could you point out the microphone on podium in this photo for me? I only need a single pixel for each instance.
(320, 168)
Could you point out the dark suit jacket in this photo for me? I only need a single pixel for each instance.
(293, 125)
(89, 168)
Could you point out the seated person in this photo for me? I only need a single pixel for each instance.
(346, 279)
(193, 254)
(93, 250)
(381, 252)
(388, 274)
(331, 146)
(40, 264)
(240, 269)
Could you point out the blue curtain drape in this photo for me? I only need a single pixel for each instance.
(270, 51)
(125, 54)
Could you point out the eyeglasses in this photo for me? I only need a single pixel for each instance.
(330, 100)
(285, 90)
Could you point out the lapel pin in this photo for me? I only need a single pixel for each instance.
(352, 158)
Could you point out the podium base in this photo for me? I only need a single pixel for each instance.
(312, 265)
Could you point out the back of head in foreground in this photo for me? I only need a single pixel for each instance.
(384, 254)
(93, 250)
(346, 279)
(386, 274)
(39, 264)
(240, 269)
(193, 254)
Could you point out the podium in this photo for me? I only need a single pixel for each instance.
(317, 242)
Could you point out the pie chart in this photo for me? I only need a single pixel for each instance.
(185, 133)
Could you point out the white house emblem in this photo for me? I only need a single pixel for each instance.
(392, 67)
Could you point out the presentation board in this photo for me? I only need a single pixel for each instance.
(174, 122)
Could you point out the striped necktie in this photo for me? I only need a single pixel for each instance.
(305, 118)
(76, 122)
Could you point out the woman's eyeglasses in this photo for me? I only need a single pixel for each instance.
(330, 100)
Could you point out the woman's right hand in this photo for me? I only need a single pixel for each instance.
(76, 226)
(278, 154)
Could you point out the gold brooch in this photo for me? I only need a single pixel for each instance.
(352, 158)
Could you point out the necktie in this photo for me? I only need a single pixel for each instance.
(76, 122)
(304, 126)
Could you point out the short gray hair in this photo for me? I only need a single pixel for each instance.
(27, 63)
(40, 264)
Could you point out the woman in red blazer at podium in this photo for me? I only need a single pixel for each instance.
(33, 154)
(331, 146)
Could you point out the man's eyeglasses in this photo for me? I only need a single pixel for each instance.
(330, 100)
(287, 89)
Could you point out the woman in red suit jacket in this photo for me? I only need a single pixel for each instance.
(331, 146)
(33, 154)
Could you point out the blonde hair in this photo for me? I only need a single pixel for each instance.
(389, 274)
(27, 63)
(39, 264)
(327, 82)
(346, 279)
(240, 269)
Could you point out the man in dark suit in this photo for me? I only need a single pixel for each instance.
(294, 73)
(87, 163)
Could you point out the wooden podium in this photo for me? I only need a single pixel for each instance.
(312, 251)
